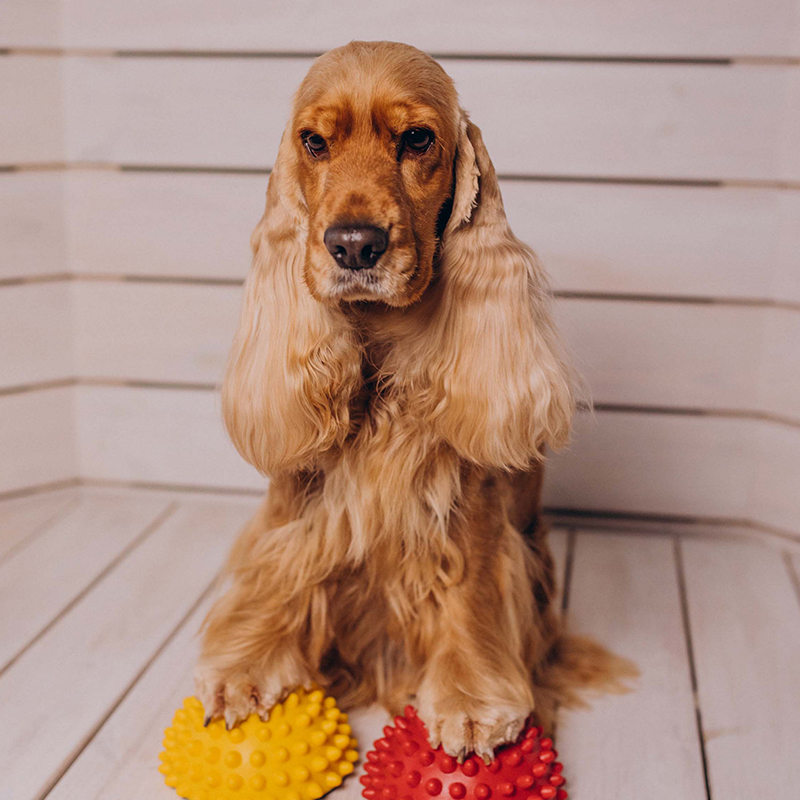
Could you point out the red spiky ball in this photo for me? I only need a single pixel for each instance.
(404, 767)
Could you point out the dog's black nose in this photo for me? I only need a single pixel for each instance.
(356, 247)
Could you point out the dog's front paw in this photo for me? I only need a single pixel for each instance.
(234, 694)
(464, 727)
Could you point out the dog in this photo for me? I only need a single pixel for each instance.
(397, 375)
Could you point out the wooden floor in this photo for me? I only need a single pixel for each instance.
(102, 592)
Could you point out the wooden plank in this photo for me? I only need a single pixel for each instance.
(708, 356)
(46, 576)
(37, 438)
(23, 518)
(745, 623)
(664, 464)
(165, 224)
(172, 436)
(130, 740)
(89, 659)
(578, 27)
(35, 332)
(31, 224)
(661, 240)
(619, 461)
(32, 125)
(575, 119)
(776, 500)
(787, 278)
(624, 593)
(675, 240)
(670, 354)
(154, 332)
(779, 376)
(30, 23)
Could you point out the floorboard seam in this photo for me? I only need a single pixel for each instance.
(687, 633)
(565, 591)
(126, 691)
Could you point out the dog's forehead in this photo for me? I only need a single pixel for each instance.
(392, 87)
(345, 114)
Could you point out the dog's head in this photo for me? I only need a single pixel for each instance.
(384, 203)
(370, 150)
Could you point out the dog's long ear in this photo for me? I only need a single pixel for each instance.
(294, 364)
(505, 390)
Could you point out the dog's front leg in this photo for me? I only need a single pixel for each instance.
(474, 696)
(476, 691)
(253, 654)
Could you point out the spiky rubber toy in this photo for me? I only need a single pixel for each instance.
(301, 752)
(404, 767)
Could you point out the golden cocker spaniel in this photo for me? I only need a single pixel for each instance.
(397, 375)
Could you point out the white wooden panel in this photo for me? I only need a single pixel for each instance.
(37, 438)
(154, 332)
(617, 238)
(745, 623)
(664, 240)
(630, 353)
(776, 492)
(35, 333)
(31, 224)
(165, 224)
(779, 375)
(61, 688)
(23, 518)
(668, 354)
(716, 28)
(30, 23)
(172, 436)
(624, 593)
(656, 463)
(46, 576)
(616, 120)
(32, 122)
(651, 463)
(787, 283)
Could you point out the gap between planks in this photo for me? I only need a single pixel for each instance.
(687, 632)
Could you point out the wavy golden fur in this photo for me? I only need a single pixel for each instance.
(401, 413)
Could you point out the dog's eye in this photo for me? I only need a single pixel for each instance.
(314, 143)
(417, 140)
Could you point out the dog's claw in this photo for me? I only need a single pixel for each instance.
(230, 719)
(206, 720)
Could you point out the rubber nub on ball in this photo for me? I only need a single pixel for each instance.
(301, 752)
(404, 767)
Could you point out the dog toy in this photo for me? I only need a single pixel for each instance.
(404, 767)
(303, 751)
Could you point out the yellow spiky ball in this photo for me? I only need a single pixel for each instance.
(301, 752)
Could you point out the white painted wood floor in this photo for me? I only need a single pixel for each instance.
(102, 592)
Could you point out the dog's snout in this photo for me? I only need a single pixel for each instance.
(356, 246)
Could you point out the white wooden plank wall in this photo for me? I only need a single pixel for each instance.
(671, 28)
(648, 152)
